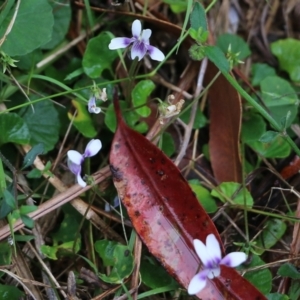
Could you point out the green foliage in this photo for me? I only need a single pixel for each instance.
(177, 6)
(288, 53)
(13, 129)
(43, 123)
(5, 255)
(261, 278)
(203, 196)
(261, 71)
(154, 275)
(200, 119)
(272, 233)
(277, 296)
(25, 35)
(280, 98)
(216, 56)
(83, 121)
(98, 57)
(233, 191)
(9, 292)
(62, 17)
(118, 257)
(140, 94)
(130, 116)
(167, 145)
(269, 136)
(288, 270)
(198, 17)
(253, 127)
(235, 44)
(32, 154)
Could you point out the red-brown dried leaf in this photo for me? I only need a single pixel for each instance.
(224, 131)
(166, 214)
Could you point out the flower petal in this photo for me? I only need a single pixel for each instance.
(197, 283)
(75, 157)
(74, 168)
(155, 53)
(201, 251)
(92, 108)
(214, 272)
(234, 259)
(146, 33)
(138, 50)
(213, 248)
(136, 29)
(118, 43)
(80, 181)
(95, 110)
(92, 148)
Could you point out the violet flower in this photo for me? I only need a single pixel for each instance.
(210, 255)
(140, 43)
(92, 108)
(75, 159)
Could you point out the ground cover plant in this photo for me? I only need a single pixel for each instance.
(149, 149)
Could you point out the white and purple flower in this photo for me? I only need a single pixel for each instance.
(75, 159)
(211, 258)
(92, 107)
(140, 43)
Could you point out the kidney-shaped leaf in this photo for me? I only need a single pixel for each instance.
(166, 214)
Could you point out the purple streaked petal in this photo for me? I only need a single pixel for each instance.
(92, 108)
(80, 181)
(213, 248)
(146, 33)
(74, 168)
(198, 282)
(138, 50)
(136, 29)
(201, 251)
(92, 148)
(118, 43)
(75, 157)
(95, 110)
(155, 53)
(233, 259)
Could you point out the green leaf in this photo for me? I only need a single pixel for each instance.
(177, 6)
(140, 94)
(115, 255)
(261, 278)
(26, 209)
(49, 251)
(28, 61)
(272, 233)
(62, 17)
(2, 179)
(5, 255)
(43, 123)
(294, 291)
(237, 44)
(168, 146)
(278, 148)
(98, 56)
(288, 270)
(154, 275)
(203, 196)
(28, 222)
(260, 72)
(253, 127)
(130, 116)
(234, 191)
(277, 296)
(9, 292)
(216, 56)
(198, 17)
(9, 199)
(200, 119)
(13, 129)
(83, 121)
(280, 98)
(32, 154)
(31, 29)
(288, 53)
(269, 136)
